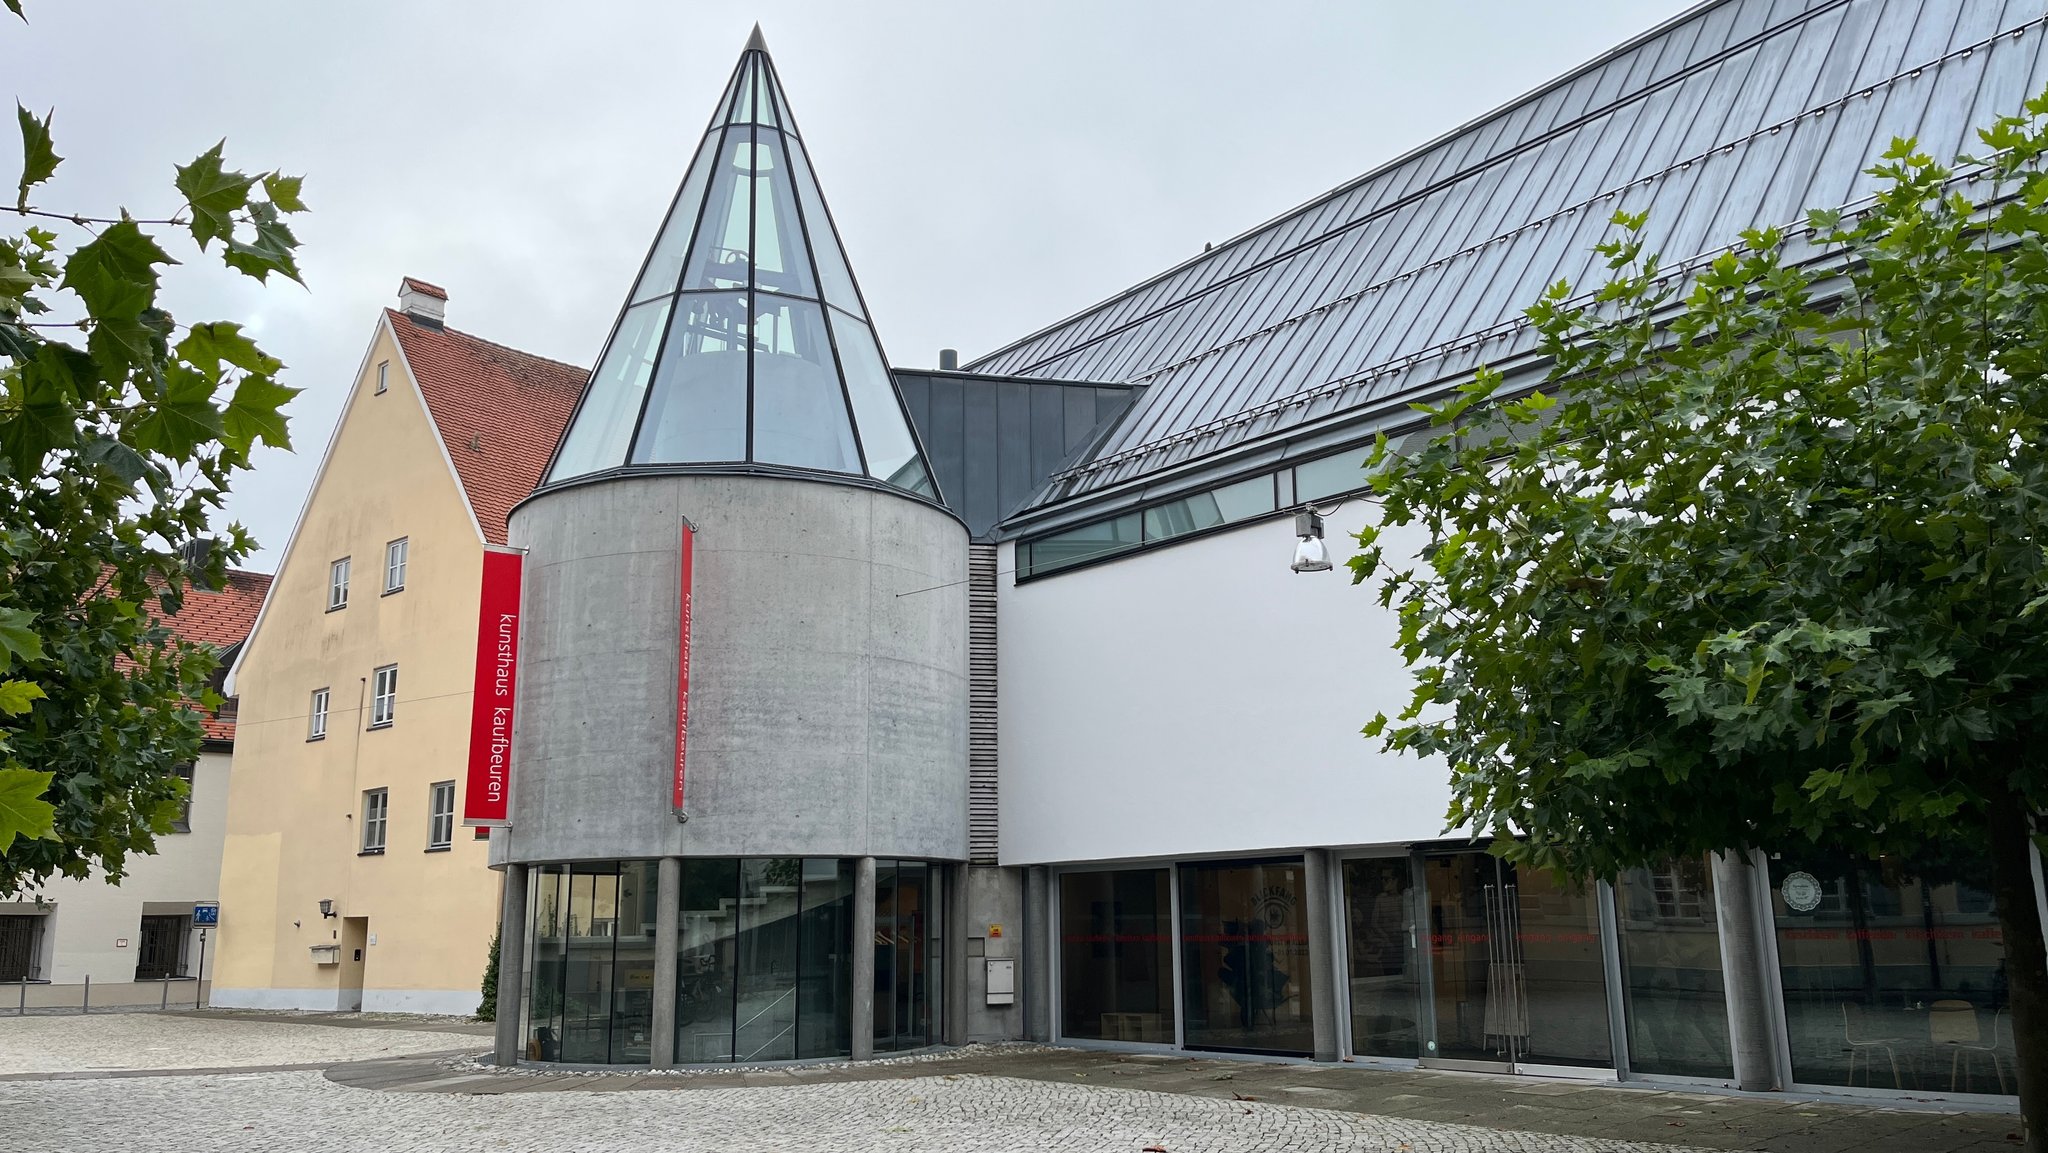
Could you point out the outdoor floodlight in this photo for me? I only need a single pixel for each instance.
(326, 907)
(1310, 555)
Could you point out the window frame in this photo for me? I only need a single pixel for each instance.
(377, 819)
(316, 713)
(187, 772)
(438, 820)
(338, 581)
(403, 548)
(383, 377)
(383, 703)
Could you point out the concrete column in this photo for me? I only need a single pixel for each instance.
(1038, 954)
(954, 959)
(1322, 969)
(668, 895)
(862, 1008)
(1743, 975)
(511, 963)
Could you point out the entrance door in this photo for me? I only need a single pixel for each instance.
(1517, 974)
(355, 941)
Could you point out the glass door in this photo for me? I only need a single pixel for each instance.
(1381, 957)
(1516, 969)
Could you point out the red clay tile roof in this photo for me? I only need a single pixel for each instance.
(500, 411)
(221, 618)
(421, 286)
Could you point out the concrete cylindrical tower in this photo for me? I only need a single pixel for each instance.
(828, 702)
(794, 906)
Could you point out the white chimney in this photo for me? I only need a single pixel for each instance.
(423, 302)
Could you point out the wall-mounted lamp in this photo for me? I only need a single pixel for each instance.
(1310, 555)
(326, 908)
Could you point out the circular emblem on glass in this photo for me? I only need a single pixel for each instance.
(1801, 892)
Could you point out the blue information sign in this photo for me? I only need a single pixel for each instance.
(207, 914)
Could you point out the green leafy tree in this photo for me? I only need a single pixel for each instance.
(120, 431)
(1763, 564)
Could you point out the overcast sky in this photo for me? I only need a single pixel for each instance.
(993, 167)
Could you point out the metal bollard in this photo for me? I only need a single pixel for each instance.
(85, 1006)
(21, 1010)
(165, 1003)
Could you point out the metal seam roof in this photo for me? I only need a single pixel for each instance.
(1408, 275)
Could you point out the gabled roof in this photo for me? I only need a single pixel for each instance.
(1737, 114)
(499, 411)
(221, 619)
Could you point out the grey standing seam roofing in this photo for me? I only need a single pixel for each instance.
(1737, 114)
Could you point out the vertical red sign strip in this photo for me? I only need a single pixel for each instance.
(683, 667)
(486, 800)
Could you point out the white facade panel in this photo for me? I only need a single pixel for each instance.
(95, 929)
(1201, 698)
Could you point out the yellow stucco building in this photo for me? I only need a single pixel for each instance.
(347, 880)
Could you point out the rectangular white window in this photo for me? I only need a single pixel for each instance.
(394, 565)
(383, 376)
(337, 585)
(441, 816)
(316, 716)
(376, 814)
(383, 696)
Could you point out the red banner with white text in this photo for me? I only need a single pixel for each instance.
(486, 800)
(683, 667)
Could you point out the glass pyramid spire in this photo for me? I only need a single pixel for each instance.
(744, 341)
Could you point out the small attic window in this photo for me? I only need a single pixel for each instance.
(383, 376)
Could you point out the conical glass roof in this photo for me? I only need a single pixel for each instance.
(744, 341)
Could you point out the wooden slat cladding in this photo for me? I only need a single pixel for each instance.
(981, 704)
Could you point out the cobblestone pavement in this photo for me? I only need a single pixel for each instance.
(244, 1081)
(956, 1114)
(157, 1041)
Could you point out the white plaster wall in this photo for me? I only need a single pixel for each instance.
(91, 916)
(1201, 698)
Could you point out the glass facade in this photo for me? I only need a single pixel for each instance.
(1675, 1003)
(744, 340)
(1893, 972)
(1380, 953)
(906, 955)
(1516, 965)
(764, 960)
(1245, 957)
(1116, 956)
(593, 963)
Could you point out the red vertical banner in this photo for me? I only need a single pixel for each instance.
(683, 667)
(486, 800)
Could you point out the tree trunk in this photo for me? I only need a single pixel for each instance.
(2026, 960)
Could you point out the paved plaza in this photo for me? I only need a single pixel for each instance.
(130, 1081)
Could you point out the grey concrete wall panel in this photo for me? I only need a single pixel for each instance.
(995, 896)
(1745, 972)
(1036, 978)
(954, 960)
(829, 673)
(861, 1014)
(668, 895)
(511, 965)
(1318, 880)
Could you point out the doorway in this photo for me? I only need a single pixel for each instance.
(1517, 973)
(355, 944)
(906, 955)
